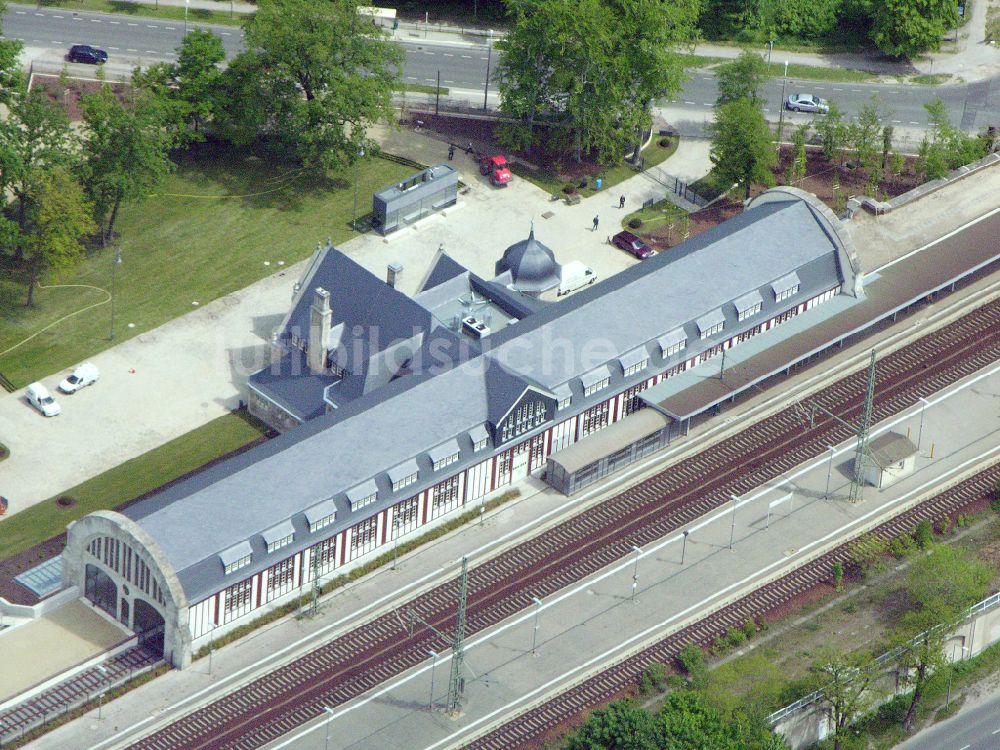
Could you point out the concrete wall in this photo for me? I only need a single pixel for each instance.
(269, 413)
(806, 725)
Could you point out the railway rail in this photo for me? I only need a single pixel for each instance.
(358, 661)
(531, 726)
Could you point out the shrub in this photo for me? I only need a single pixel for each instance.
(923, 535)
(749, 628)
(735, 636)
(902, 546)
(943, 525)
(692, 660)
(664, 142)
(653, 679)
(569, 188)
(838, 576)
(634, 223)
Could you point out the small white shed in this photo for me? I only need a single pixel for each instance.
(893, 457)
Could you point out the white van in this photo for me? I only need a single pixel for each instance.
(573, 276)
(39, 397)
(81, 377)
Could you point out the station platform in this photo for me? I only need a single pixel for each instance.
(36, 651)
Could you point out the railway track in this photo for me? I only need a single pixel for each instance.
(356, 662)
(530, 727)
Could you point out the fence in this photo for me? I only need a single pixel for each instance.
(6, 384)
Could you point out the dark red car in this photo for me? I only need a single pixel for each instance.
(632, 245)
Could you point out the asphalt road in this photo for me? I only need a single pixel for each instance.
(463, 66)
(975, 728)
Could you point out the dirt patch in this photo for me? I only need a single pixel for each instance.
(67, 92)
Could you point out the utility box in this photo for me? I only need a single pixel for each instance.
(892, 458)
(410, 200)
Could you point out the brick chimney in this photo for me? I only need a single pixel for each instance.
(320, 316)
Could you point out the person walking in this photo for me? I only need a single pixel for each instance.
(451, 152)
(621, 202)
(597, 220)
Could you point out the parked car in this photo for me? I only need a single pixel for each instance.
(807, 103)
(574, 275)
(632, 245)
(84, 53)
(84, 375)
(41, 399)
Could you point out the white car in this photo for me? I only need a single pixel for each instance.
(807, 103)
(41, 399)
(84, 375)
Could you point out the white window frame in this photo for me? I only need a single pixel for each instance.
(366, 500)
(446, 461)
(786, 293)
(480, 444)
(712, 330)
(322, 522)
(279, 543)
(637, 367)
(600, 385)
(236, 565)
(750, 311)
(404, 482)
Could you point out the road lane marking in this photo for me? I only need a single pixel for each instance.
(95, 20)
(21, 12)
(692, 103)
(707, 104)
(838, 89)
(996, 731)
(914, 122)
(150, 26)
(114, 48)
(467, 57)
(58, 16)
(170, 28)
(151, 52)
(133, 24)
(897, 122)
(447, 54)
(226, 33)
(129, 49)
(40, 14)
(856, 91)
(115, 23)
(411, 78)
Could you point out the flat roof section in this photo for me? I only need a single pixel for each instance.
(596, 446)
(895, 287)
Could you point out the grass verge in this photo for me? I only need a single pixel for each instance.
(225, 219)
(139, 475)
(421, 88)
(362, 570)
(711, 186)
(795, 70)
(222, 17)
(661, 212)
(929, 79)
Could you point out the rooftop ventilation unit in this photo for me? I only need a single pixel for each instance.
(475, 327)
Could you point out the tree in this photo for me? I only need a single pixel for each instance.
(797, 166)
(743, 78)
(905, 28)
(832, 132)
(620, 726)
(192, 87)
(864, 135)
(742, 147)
(946, 147)
(325, 74)
(10, 64)
(126, 151)
(59, 219)
(588, 71)
(846, 682)
(941, 586)
(35, 136)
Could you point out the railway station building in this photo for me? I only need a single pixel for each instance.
(397, 413)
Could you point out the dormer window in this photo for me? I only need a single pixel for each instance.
(596, 380)
(362, 495)
(785, 287)
(635, 361)
(748, 305)
(236, 557)
(711, 324)
(444, 455)
(404, 475)
(278, 536)
(480, 437)
(321, 515)
(564, 396)
(672, 343)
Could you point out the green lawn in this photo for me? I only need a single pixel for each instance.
(710, 186)
(131, 479)
(207, 232)
(166, 12)
(661, 212)
(795, 70)
(931, 79)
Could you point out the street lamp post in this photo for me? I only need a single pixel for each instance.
(635, 570)
(924, 403)
(357, 177)
(534, 634)
(781, 106)
(329, 718)
(489, 59)
(684, 545)
(732, 528)
(829, 472)
(186, 3)
(395, 540)
(770, 46)
(434, 656)
(211, 638)
(100, 698)
(114, 281)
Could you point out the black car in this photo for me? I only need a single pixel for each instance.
(84, 53)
